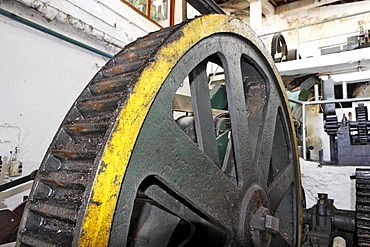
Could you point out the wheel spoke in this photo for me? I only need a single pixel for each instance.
(239, 119)
(201, 183)
(266, 142)
(280, 185)
(203, 112)
(194, 178)
(147, 179)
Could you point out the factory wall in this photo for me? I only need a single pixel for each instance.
(318, 27)
(42, 75)
(316, 178)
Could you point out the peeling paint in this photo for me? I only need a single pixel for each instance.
(51, 13)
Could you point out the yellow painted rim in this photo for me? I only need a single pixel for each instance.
(98, 219)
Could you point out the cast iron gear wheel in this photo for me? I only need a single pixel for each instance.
(279, 48)
(363, 206)
(361, 116)
(121, 172)
(331, 124)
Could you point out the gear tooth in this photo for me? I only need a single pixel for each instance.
(363, 206)
(50, 217)
(361, 115)
(331, 124)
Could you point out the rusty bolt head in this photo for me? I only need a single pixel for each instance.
(272, 224)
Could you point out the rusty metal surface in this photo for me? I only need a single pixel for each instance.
(363, 206)
(58, 195)
(266, 178)
(9, 223)
(9, 226)
(165, 158)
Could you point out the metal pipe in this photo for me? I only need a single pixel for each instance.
(318, 102)
(7, 141)
(329, 101)
(51, 13)
(345, 220)
(53, 33)
(19, 131)
(316, 90)
(304, 154)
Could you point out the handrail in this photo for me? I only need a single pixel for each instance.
(318, 102)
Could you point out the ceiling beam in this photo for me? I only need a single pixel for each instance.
(268, 8)
(296, 6)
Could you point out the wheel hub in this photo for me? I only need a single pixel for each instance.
(256, 220)
(121, 171)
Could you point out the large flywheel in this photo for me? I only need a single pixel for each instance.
(129, 168)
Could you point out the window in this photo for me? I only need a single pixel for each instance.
(159, 11)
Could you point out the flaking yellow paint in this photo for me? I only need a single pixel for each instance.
(99, 215)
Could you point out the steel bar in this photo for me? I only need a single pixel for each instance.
(316, 88)
(206, 6)
(19, 181)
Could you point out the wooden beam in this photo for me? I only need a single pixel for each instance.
(296, 6)
(273, 3)
(172, 12)
(148, 6)
(140, 13)
(267, 8)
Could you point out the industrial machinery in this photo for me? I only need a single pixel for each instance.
(349, 140)
(279, 49)
(123, 171)
(120, 169)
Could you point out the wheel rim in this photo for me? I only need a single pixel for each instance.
(159, 164)
(128, 144)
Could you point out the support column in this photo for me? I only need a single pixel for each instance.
(256, 16)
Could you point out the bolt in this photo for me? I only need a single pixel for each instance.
(262, 221)
(272, 224)
(322, 196)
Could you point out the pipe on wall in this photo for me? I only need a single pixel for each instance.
(51, 13)
(53, 33)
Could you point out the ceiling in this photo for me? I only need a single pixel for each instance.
(276, 6)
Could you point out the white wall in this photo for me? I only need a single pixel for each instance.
(315, 178)
(311, 38)
(41, 75)
(332, 180)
